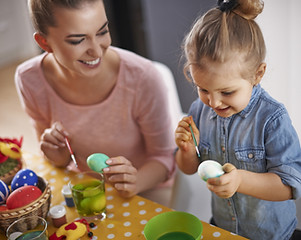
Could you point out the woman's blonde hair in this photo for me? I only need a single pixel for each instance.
(222, 31)
(41, 12)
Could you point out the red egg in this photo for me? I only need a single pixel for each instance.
(23, 196)
(3, 208)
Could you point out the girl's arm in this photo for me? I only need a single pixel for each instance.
(265, 186)
(187, 161)
(186, 157)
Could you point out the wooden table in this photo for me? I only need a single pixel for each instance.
(126, 217)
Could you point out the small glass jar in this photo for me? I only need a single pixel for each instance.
(58, 215)
(66, 191)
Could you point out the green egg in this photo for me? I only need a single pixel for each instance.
(91, 191)
(97, 203)
(85, 203)
(97, 162)
(78, 187)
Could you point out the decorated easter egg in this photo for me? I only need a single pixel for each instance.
(97, 161)
(210, 169)
(3, 208)
(25, 177)
(4, 192)
(23, 196)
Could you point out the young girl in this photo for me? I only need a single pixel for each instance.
(239, 125)
(104, 99)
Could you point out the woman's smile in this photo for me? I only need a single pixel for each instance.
(93, 63)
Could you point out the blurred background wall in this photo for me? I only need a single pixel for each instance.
(16, 42)
(155, 29)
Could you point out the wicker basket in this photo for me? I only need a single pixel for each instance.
(9, 176)
(39, 207)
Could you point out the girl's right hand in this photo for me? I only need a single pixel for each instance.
(186, 156)
(52, 144)
(183, 136)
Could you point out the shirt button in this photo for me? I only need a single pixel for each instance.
(250, 155)
(223, 149)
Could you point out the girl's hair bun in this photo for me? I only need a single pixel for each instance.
(226, 5)
(248, 9)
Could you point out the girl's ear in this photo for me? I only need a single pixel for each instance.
(42, 42)
(259, 73)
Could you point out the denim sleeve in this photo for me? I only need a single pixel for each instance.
(283, 152)
(195, 111)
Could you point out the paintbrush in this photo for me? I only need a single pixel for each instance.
(71, 152)
(195, 143)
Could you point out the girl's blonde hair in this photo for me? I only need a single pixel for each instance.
(41, 12)
(226, 30)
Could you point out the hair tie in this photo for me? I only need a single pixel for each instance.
(226, 5)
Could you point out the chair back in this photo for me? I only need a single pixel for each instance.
(189, 193)
(174, 104)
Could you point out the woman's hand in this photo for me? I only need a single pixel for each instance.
(122, 175)
(53, 137)
(226, 185)
(52, 144)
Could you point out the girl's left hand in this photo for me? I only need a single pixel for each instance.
(122, 175)
(226, 185)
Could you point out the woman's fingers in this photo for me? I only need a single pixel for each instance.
(120, 170)
(48, 145)
(122, 175)
(123, 178)
(54, 136)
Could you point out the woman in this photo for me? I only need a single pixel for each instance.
(104, 99)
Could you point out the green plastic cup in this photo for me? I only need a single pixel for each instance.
(173, 225)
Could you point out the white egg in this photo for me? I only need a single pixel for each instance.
(210, 169)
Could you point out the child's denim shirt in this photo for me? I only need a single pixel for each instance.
(260, 139)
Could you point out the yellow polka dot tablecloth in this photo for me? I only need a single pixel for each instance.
(126, 217)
